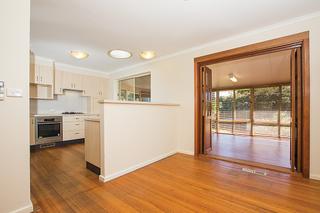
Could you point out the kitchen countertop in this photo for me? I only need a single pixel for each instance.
(59, 114)
(95, 119)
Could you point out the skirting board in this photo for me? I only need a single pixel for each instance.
(135, 167)
(186, 152)
(25, 209)
(315, 177)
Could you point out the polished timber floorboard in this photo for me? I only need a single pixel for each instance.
(257, 149)
(180, 183)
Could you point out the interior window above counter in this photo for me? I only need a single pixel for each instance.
(135, 88)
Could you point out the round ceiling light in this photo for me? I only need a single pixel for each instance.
(79, 54)
(147, 54)
(119, 54)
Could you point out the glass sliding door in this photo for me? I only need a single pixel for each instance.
(264, 111)
(225, 111)
(242, 121)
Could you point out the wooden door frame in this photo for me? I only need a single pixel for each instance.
(274, 45)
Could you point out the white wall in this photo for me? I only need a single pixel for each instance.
(70, 101)
(172, 77)
(14, 112)
(135, 135)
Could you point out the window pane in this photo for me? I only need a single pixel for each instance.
(242, 104)
(242, 128)
(265, 130)
(285, 132)
(242, 111)
(142, 88)
(285, 113)
(225, 105)
(126, 89)
(214, 110)
(266, 104)
(225, 127)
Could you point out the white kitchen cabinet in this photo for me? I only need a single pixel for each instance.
(58, 82)
(41, 74)
(32, 131)
(95, 105)
(73, 127)
(92, 144)
(89, 85)
(72, 81)
(94, 86)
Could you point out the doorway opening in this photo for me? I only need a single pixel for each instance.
(252, 105)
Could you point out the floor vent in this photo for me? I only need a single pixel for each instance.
(253, 171)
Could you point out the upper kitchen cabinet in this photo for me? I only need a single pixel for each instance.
(41, 78)
(89, 85)
(94, 86)
(40, 72)
(72, 81)
(58, 82)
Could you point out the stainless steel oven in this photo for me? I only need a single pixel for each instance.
(48, 129)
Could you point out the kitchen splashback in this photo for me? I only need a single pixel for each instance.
(70, 101)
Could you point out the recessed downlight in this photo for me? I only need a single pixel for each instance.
(119, 54)
(79, 54)
(148, 54)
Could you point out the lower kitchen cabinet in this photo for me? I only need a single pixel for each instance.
(92, 144)
(73, 127)
(32, 131)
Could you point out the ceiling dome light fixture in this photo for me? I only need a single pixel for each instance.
(119, 54)
(147, 54)
(233, 78)
(79, 54)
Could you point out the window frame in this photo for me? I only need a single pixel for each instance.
(134, 77)
(216, 121)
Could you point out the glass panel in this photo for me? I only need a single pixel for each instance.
(285, 113)
(126, 88)
(242, 104)
(48, 130)
(214, 111)
(142, 88)
(265, 130)
(242, 111)
(225, 105)
(242, 128)
(225, 127)
(285, 132)
(266, 104)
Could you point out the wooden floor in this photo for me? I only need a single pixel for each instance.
(255, 149)
(181, 183)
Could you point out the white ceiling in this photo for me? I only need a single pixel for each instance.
(254, 71)
(165, 26)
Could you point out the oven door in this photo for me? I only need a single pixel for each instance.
(47, 132)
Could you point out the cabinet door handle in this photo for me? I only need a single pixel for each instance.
(37, 78)
(41, 79)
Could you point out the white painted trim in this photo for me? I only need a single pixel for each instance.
(225, 39)
(137, 103)
(187, 152)
(135, 167)
(71, 68)
(314, 176)
(81, 70)
(25, 209)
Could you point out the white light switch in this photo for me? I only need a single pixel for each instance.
(14, 92)
(1, 90)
